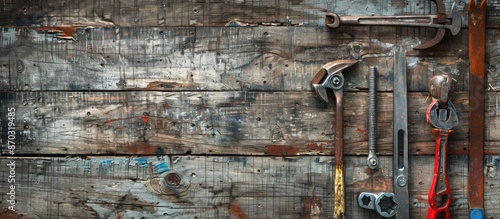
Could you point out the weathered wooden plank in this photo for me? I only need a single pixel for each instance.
(277, 123)
(217, 186)
(207, 13)
(219, 58)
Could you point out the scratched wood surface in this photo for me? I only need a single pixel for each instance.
(220, 186)
(219, 93)
(208, 12)
(251, 123)
(216, 58)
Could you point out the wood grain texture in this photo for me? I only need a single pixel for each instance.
(258, 123)
(220, 58)
(203, 12)
(228, 83)
(154, 13)
(219, 186)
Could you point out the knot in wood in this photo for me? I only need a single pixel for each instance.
(173, 180)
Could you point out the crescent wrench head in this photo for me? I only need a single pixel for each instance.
(330, 76)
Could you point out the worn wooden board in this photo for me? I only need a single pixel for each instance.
(272, 123)
(218, 186)
(208, 12)
(222, 58)
(227, 79)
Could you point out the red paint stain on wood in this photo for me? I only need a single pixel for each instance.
(109, 121)
(237, 211)
(318, 147)
(63, 32)
(361, 131)
(309, 204)
(10, 214)
(145, 118)
(139, 148)
(357, 129)
(281, 150)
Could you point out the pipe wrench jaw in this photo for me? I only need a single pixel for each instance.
(441, 113)
(442, 118)
(330, 76)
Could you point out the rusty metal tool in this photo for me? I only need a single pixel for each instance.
(330, 76)
(372, 161)
(452, 22)
(441, 115)
(400, 156)
(477, 48)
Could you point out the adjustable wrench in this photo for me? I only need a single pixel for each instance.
(330, 76)
(400, 156)
(442, 117)
(453, 22)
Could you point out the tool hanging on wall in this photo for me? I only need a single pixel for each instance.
(442, 117)
(400, 155)
(477, 50)
(452, 22)
(330, 76)
(372, 160)
(384, 203)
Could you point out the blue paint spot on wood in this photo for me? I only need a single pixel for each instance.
(142, 161)
(238, 159)
(161, 168)
(104, 166)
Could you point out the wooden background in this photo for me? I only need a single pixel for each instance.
(218, 93)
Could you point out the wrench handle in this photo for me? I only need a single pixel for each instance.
(440, 192)
(339, 194)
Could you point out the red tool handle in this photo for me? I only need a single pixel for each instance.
(440, 192)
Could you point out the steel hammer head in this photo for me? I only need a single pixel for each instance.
(330, 76)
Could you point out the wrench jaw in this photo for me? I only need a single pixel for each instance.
(330, 76)
(439, 36)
